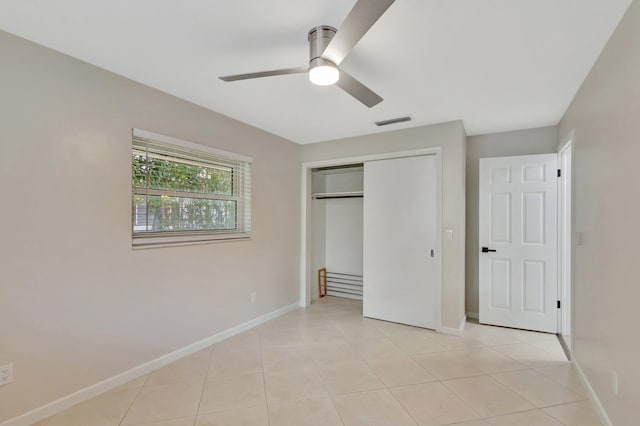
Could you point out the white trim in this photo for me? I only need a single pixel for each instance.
(371, 157)
(473, 315)
(592, 395)
(191, 145)
(439, 242)
(142, 243)
(455, 331)
(122, 378)
(565, 295)
(567, 140)
(305, 249)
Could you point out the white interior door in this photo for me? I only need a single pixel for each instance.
(401, 271)
(518, 224)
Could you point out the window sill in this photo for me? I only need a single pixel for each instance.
(142, 243)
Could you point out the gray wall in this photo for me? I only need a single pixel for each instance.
(605, 115)
(344, 224)
(542, 140)
(452, 138)
(77, 305)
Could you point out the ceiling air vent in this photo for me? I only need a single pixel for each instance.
(392, 121)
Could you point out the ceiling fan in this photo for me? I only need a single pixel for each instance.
(327, 49)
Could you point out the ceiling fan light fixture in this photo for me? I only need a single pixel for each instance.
(323, 72)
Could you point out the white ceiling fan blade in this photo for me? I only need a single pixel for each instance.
(358, 90)
(364, 14)
(260, 74)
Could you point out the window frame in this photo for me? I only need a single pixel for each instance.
(241, 193)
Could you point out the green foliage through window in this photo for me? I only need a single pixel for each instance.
(171, 194)
(157, 213)
(156, 172)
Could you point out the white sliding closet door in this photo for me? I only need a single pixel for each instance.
(401, 271)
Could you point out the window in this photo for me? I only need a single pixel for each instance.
(184, 192)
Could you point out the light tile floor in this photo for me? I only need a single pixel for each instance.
(326, 365)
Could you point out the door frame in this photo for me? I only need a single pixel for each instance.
(565, 251)
(306, 275)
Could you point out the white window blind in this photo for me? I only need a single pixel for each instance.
(184, 192)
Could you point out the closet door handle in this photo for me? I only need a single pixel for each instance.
(432, 253)
(487, 250)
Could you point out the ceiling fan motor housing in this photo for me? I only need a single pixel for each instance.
(319, 38)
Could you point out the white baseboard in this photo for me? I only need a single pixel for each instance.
(473, 315)
(592, 395)
(122, 378)
(455, 331)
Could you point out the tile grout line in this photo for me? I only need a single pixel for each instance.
(333, 402)
(560, 383)
(565, 403)
(557, 419)
(504, 415)
(389, 391)
(264, 381)
(204, 384)
(399, 403)
(318, 366)
(582, 398)
(452, 392)
(134, 399)
(499, 384)
(536, 408)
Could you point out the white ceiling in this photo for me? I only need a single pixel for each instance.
(496, 64)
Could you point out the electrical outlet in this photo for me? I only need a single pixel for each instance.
(614, 382)
(253, 297)
(6, 374)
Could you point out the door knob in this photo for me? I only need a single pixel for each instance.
(487, 250)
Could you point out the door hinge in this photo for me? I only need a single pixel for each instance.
(559, 173)
(558, 304)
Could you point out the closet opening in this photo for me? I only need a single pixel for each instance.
(337, 231)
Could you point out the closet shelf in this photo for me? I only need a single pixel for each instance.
(325, 195)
